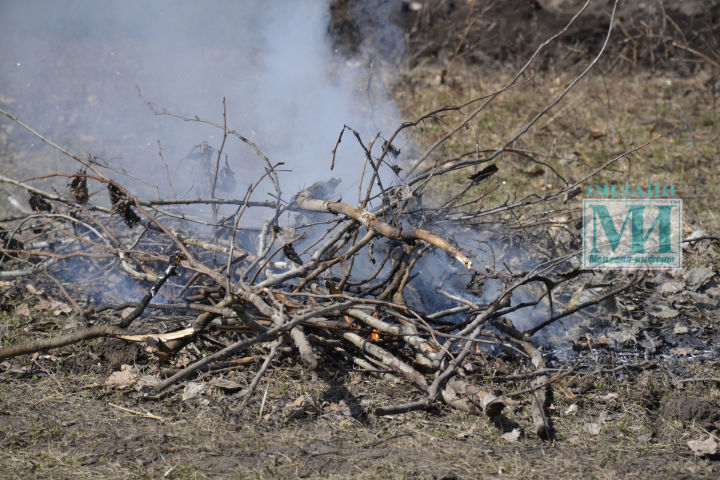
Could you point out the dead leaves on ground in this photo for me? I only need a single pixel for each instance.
(706, 447)
(307, 405)
(122, 378)
(53, 307)
(45, 305)
(225, 384)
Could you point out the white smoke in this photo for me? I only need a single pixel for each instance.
(71, 70)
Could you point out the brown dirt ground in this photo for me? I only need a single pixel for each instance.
(60, 422)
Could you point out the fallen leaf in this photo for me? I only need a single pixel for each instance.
(673, 286)
(575, 299)
(571, 409)
(713, 292)
(43, 305)
(225, 384)
(608, 397)
(60, 307)
(650, 342)
(192, 390)
(13, 368)
(595, 134)
(695, 235)
(301, 401)
(584, 294)
(592, 428)
(623, 337)
(122, 378)
(603, 340)
(301, 406)
(512, 436)
(703, 447)
(702, 300)
(22, 309)
(467, 433)
(565, 391)
(146, 381)
(683, 351)
(680, 329)
(582, 157)
(183, 359)
(53, 306)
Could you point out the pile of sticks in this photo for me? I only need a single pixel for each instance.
(258, 282)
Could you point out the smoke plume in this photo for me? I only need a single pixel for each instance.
(72, 70)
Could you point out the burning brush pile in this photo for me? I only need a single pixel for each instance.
(382, 284)
(379, 283)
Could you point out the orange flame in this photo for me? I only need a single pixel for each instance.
(374, 334)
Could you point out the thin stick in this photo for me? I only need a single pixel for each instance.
(259, 375)
(262, 404)
(137, 412)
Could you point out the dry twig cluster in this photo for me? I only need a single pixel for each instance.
(339, 292)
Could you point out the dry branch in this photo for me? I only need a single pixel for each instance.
(88, 334)
(371, 222)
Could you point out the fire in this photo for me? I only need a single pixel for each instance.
(374, 334)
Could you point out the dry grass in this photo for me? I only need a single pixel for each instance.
(605, 115)
(60, 424)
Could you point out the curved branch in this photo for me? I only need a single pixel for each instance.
(372, 222)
